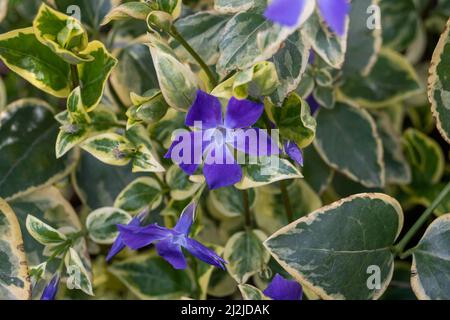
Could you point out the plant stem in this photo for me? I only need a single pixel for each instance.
(247, 213)
(177, 36)
(74, 75)
(286, 202)
(400, 247)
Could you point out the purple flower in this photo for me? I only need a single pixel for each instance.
(216, 139)
(290, 12)
(51, 289)
(282, 289)
(313, 104)
(118, 245)
(170, 241)
(294, 152)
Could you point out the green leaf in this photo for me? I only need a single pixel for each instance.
(294, 121)
(64, 35)
(149, 108)
(291, 62)
(331, 250)
(251, 293)
(228, 202)
(397, 167)
(401, 21)
(98, 184)
(128, 10)
(248, 38)
(267, 170)
(43, 233)
(14, 281)
(391, 79)
(173, 7)
(49, 206)
(246, 255)
(134, 72)
(177, 82)
(203, 32)
(78, 276)
(94, 74)
(235, 6)
(28, 132)
(151, 277)
(21, 51)
(358, 156)
(181, 188)
(439, 84)
(142, 193)
(3, 9)
(363, 44)
(102, 224)
(425, 157)
(326, 44)
(110, 148)
(430, 260)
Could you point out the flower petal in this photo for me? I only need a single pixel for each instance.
(255, 142)
(294, 152)
(204, 253)
(285, 12)
(51, 289)
(282, 289)
(193, 144)
(313, 104)
(186, 219)
(138, 237)
(334, 13)
(205, 109)
(221, 170)
(242, 113)
(172, 253)
(118, 244)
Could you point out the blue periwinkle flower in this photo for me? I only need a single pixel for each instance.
(282, 289)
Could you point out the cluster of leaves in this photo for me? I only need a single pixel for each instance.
(85, 125)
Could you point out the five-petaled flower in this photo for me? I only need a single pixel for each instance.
(216, 139)
(291, 12)
(282, 289)
(51, 289)
(169, 242)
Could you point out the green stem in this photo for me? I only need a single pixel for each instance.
(286, 202)
(400, 247)
(177, 36)
(75, 76)
(247, 213)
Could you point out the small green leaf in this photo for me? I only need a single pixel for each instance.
(21, 51)
(425, 157)
(181, 188)
(144, 192)
(316, 171)
(128, 10)
(43, 233)
(332, 249)
(94, 74)
(177, 82)
(109, 148)
(430, 259)
(149, 108)
(246, 255)
(91, 12)
(358, 156)
(326, 44)
(439, 84)
(102, 224)
(151, 277)
(64, 35)
(294, 121)
(33, 143)
(228, 202)
(14, 281)
(78, 276)
(391, 79)
(252, 293)
(267, 170)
